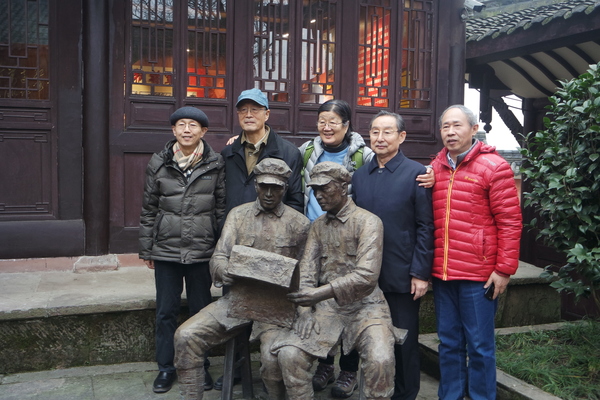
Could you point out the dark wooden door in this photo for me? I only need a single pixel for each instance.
(40, 129)
(165, 55)
(372, 53)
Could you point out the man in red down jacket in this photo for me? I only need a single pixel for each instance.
(477, 220)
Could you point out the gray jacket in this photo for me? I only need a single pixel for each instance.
(180, 217)
(356, 142)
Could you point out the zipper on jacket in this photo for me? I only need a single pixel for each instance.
(157, 226)
(202, 164)
(446, 225)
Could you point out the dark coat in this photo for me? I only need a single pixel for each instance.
(405, 208)
(240, 185)
(180, 217)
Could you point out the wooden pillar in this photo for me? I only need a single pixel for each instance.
(485, 105)
(533, 114)
(456, 89)
(95, 127)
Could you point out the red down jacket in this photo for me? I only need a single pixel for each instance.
(477, 216)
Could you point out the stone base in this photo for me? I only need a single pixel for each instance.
(62, 319)
(76, 340)
(108, 262)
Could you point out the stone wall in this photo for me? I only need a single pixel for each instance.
(37, 343)
(529, 300)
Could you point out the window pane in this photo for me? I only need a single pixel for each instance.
(24, 50)
(152, 47)
(271, 52)
(206, 57)
(318, 51)
(417, 48)
(374, 54)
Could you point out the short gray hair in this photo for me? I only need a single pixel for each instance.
(400, 125)
(471, 117)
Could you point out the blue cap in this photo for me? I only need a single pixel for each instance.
(190, 113)
(255, 95)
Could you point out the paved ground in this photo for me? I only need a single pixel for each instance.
(130, 382)
(33, 288)
(43, 289)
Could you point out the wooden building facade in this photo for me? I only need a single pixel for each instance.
(87, 86)
(527, 49)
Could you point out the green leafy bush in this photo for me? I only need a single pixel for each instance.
(562, 165)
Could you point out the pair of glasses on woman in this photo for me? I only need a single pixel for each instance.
(332, 125)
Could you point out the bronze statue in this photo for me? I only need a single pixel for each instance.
(339, 297)
(268, 225)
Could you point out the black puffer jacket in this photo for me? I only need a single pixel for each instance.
(181, 217)
(240, 184)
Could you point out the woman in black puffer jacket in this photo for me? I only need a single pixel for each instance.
(184, 202)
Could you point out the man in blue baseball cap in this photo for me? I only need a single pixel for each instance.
(256, 142)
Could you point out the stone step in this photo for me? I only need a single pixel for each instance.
(62, 318)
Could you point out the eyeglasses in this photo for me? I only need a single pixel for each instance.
(253, 110)
(332, 125)
(192, 124)
(376, 133)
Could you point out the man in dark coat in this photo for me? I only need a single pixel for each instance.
(256, 142)
(386, 186)
(183, 205)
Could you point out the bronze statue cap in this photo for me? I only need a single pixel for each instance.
(328, 171)
(272, 171)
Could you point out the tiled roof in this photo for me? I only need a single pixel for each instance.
(507, 23)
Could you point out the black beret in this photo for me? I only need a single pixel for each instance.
(190, 113)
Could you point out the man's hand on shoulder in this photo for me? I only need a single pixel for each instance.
(232, 139)
(427, 180)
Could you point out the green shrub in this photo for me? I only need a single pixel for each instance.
(562, 165)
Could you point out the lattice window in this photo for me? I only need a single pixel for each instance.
(381, 69)
(374, 54)
(417, 54)
(152, 47)
(318, 51)
(271, 51)
(24, 50)
(206, 53)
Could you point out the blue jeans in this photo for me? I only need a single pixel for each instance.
(465, 326)
(169, 278)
